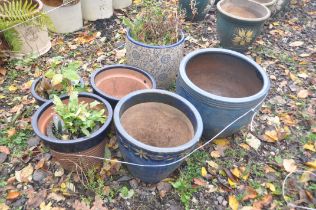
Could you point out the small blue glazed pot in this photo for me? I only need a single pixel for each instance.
(115, 81)
(40, 100)
(194, 12)
(137, 152)
(239, 22)
(223, 85)
(160, 61)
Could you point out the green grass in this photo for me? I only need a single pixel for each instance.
(16, 143)
(183, 184)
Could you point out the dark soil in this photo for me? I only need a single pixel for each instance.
(157, 124)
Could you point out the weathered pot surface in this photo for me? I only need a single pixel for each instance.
(115, 81)
(67, 18)
(156, 127)
(121, 4)
(239, 22)
(222, 85)
(271, 4)
(160, 61)
(98, 9)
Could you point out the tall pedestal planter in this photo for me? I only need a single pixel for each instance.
(96, 9)
(116, 81)
(64, 150)
(223, 85)
(195, 10)
(135, 151)
(121, 4)
(239, 22)
(66, 19)
(160, 61)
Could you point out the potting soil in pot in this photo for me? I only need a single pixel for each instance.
(120, 82)
(157, 124)
(53, 3)
(215, 75)
(240, 11)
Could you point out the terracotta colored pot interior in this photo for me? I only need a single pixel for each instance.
(57, 3)
(224, 75)
(244, 9)
(157, 124)
(47, 116)
(118, 82)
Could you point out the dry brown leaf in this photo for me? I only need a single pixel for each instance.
(5, 150)
(253, 141)
(289, 165)
(35, 199)
(271, 136)
(212, 164)
(265, 201)
(11, 132)
(98, 204)
(296, 44)
(249, 194)
(311, 164)
(215, 154)
(13, 195)
(25, 175)
(302, 94)
(221, 142)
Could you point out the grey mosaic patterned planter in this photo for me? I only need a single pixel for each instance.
(239, 22)
(160, 61)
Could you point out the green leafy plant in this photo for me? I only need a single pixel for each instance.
(125, 193)
(158, 23)
(76, 119)
(58, 81)
(14, 12)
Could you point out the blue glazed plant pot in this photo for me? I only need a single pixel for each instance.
(64, 150)
(195, 10)
(160, 61)
(223, 85)
(135, 151)
(115, 81)
(239, 22)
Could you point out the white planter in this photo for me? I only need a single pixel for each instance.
(120, 4)
(96, 9)
(66, 19)
(35, 41)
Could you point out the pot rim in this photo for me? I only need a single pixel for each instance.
(219, 8)
(73, 3)
(130, 38)
(266, 4)
(38, 97)
(259, 94)
(49, 103)
(37, 10)
(177, 149)
(110, 67)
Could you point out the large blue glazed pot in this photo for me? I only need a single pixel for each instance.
(239, 22)
(160, 61)
(137, 152)
(223, 85)
(195, 10)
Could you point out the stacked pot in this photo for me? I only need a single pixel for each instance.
(68, 16)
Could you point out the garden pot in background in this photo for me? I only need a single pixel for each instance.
(239, 22)
(35, 39)
(116, 81)
(194, 10)
(222, 85)
(271, 4)
(66, 19)
(40, 100)
(156, 127)
(280, 5)
(121, 4)
(160, 61)
(62, 150)
(96, 9)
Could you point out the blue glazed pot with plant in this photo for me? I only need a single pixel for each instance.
(57, 81)
(239, 22)
(156, 127)
(195, 10)
(223, 85)
(155, 41)
(72, 126)
(115, 81)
